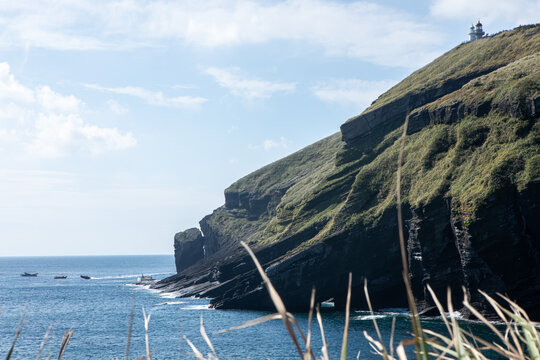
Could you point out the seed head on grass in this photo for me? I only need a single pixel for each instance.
(17, 333)
(346, 327)
(321, 327)
(146, 324)
(65, 341)
(310, 317)
(43, 342)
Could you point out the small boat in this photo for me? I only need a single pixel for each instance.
(61, 277)
(85, 277)
(328, 304)
(29, 274)
(145, 280)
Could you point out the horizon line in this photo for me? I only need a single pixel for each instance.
(92, 255)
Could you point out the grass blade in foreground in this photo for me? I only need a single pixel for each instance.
(207, 339)
(43, 342)
(310, 318)
(419, 338)
(17, 333)
(65, 342)
(253, 322)
(196, 352)
(346, 329)
(146, 322)
(381, 348)
(130, 327)
(276, 299)
(324, 347)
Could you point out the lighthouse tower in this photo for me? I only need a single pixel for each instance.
(476, 32)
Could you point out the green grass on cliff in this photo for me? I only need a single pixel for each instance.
(301, 165)
(300, 173)
(513, 83)
(332, 185)
(467, 162)
(469, 57)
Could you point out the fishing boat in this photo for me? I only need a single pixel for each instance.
(29, 274)
(145, 280)
(61, 277)
(86, 277)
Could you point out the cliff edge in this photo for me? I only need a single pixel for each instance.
(470, 188)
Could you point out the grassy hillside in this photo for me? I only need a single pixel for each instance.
(470, 57)
(513, 83)
(330, 186)
(467, 161)
(287, 183)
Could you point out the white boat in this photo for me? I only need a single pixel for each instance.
(145, 280)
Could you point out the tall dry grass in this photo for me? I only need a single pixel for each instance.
(63, 344)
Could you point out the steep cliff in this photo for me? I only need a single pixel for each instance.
(189, 248)
(471, 191)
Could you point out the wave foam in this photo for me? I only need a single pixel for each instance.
(370, 317)
(115, 277)
(126, 276)
(456, 315)
(170, 303)
(197, 307)
(168, 295)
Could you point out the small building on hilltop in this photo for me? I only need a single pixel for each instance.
(476, 32)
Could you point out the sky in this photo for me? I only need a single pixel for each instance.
(122, 122)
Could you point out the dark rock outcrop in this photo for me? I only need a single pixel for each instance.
(442, 253)
(395, 111)
(453, 112)
(188, 248)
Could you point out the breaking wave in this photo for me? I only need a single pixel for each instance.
(370, 317)
(170, 303)
(197, 307)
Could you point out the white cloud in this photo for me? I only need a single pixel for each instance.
(516, 12)
(356, 92)
(248, 88)
(46, 124)
(270, 144)
(359, 29)
(10, 89)
(155, 98)
(183, 86)
(53, 101)
(106, 139)
(58, 134)
(117, 108)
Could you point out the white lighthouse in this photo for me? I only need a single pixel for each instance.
(476, 32)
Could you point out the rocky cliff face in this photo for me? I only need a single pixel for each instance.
(471, 180)
(189, 248)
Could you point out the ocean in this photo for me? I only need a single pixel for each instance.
(98, 310)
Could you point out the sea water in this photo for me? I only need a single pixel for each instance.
(98, 310)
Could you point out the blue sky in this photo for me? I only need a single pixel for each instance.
(122, 122)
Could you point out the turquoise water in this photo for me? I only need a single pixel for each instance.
(98, 310)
